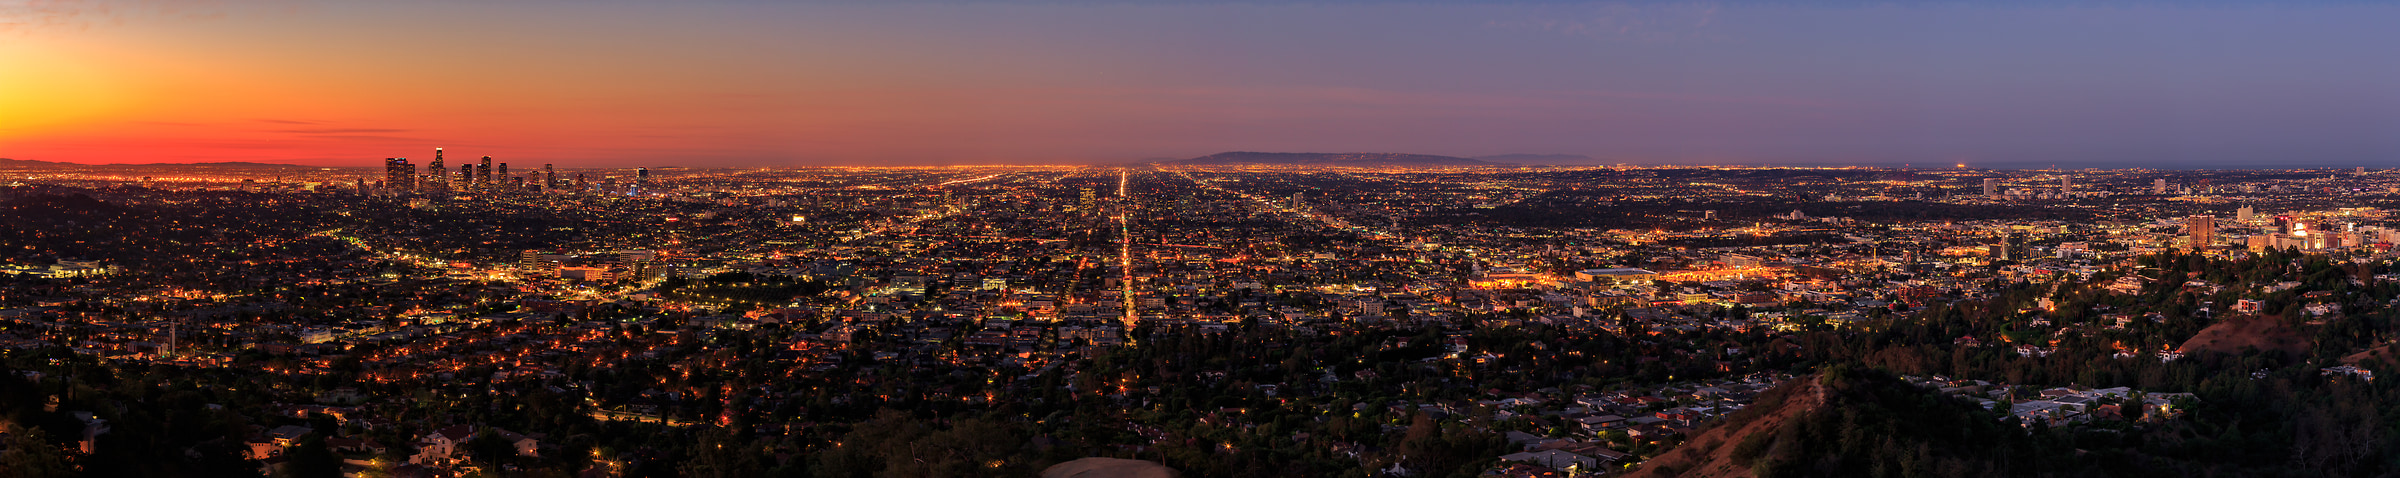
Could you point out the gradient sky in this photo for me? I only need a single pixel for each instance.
(771, 83)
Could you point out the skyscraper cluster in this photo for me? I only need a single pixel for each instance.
(398, 174)
(487, 176)
(401, 175)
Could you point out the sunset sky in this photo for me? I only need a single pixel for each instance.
(790, 83)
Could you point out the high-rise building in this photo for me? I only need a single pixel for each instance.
(1991, 186)
(2202, 228)
(483, 174)
(434, 179)
(502, 173)
(466, 177)
(2066, 183)
(2158, 186)
(2242, 215)
(398, 175)
(549, 178)
(641, 180)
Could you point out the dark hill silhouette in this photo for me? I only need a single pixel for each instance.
(1524, 158)
(1332, 159)
(28, 163)
(1850, 421)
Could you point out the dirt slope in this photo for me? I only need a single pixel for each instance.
(1710, 455)
(1100, 467)
(2381, 354)
(2232, 335)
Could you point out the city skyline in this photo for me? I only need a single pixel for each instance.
(727, 84)
(1213, 238)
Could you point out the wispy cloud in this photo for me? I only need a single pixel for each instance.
(17, 16)
(362, 137)
(341, 130)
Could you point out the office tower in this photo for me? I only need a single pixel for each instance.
(2066, 183)
(1296, 198)
(483, 175)
(398, 175)
(434, 179)
(549, 178)
(641, 180)
(2203, 229)
(581, 184)
(466, 177)
(502, 173)
(1991, 186)
(2242, 215)
(2158, 186)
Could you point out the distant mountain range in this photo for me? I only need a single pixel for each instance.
(1332, 159)
(32, 164)
(1537, 158)
(25, 163)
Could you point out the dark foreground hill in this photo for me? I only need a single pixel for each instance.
(1856, 422)
(1331, 159)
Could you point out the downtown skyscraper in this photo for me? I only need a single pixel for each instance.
(434, 177)
(399, 175)
(483, 174)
